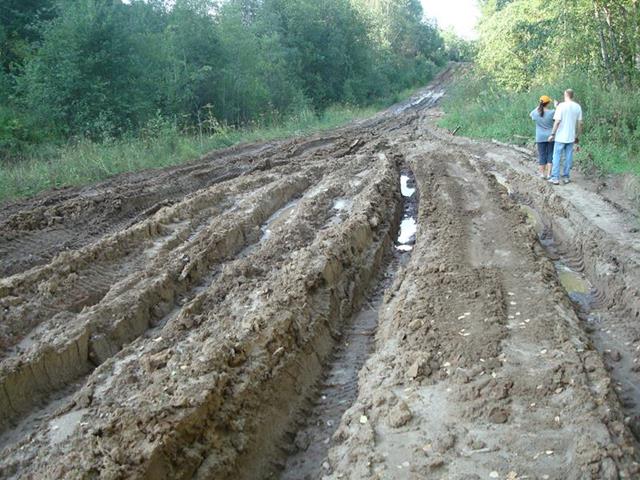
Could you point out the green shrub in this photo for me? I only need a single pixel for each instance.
(16, 134)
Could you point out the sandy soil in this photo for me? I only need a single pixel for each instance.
(380, 301)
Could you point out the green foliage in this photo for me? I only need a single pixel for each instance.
(104, 69)
(514, 43)
(254, 81)
(89, 77)
(17, 32)
(611, 139)
(14, 133)
(408, 51)
(527, 41)
(484, 109)
(5, 88)
(489, 7)
(320, 50)
(189, 54)
(458, 49)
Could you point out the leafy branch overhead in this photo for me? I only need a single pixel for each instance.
(524, 41)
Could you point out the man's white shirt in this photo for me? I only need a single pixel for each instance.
(569, 114)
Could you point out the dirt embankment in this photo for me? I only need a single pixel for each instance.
(381, 301)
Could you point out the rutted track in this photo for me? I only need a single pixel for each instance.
(178, 324)
(197, 258)
(482, 370)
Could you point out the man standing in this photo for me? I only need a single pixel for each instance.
(566, 131)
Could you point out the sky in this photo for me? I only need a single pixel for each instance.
(459, 14)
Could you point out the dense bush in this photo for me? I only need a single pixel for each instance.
(102, 69)
(90, 76)
(524, 41)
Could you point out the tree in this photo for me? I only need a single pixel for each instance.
(18, 20)
(91, 73)
(458, 49)
(255, 77)
(102, 68)
(522, 41)
(327, 42)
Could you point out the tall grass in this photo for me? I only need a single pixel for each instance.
(85, 161)
(611, 139)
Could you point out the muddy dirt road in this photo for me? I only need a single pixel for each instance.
(382, 301)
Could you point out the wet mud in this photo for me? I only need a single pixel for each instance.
(337, 389)
(385, 301)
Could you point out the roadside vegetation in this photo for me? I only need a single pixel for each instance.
(89, 88)
(528, 48)
(160, 144)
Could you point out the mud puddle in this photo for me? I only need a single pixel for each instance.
(576, 285)
(279, 217)
(339, 385)
(597, 322)
(25, 426)
(408, 225)
(424, 100)
(342, 204)
(615, 349)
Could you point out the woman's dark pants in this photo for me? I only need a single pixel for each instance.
(545, 152)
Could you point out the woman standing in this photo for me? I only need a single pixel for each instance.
(543, 118)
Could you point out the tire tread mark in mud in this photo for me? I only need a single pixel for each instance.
(339, 386)
(97, 268)
(593, 306)
(106, 333)
(193, 272)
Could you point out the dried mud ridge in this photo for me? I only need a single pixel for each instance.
(381, 301)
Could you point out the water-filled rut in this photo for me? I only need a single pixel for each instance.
(599, 316)
(600, 322)
(338, 386)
